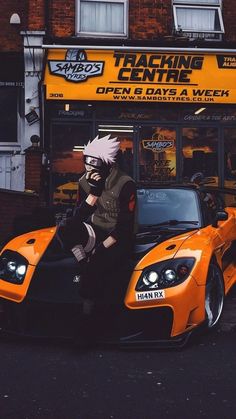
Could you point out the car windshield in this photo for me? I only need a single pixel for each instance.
(173, 206)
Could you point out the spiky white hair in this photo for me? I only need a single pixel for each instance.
(104, 148)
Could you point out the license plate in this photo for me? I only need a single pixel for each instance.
(150, 295)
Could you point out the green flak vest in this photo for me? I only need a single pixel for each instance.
(106, 213)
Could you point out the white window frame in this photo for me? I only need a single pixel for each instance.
(180, 4)
(102, 34)
(198, 3)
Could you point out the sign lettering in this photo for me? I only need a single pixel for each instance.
(141, 77)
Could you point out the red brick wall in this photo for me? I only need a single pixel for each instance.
(150, 19)
(62, 18)
(14, 204)
(33, 169)
(10, 37)
(229, 17)
(36, 15)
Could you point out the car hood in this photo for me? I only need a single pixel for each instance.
(32, 245)
(158, 245)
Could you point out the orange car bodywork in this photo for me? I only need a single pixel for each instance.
(187, 300)
(33, 253)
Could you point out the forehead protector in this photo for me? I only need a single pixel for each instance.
(93, 161)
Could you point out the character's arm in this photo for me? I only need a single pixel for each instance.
(96, 183)
(68, 232)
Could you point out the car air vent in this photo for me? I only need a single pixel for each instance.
(30, 241)
(172, 246)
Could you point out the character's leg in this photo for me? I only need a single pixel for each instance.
(100, 288)
(100, 269)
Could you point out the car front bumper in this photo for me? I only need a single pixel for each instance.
(185, 301)
(53, 307)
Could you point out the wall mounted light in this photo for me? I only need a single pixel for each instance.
(78, 148)
(199, 111)
(15, 19)
(32, 117)
(35, 140)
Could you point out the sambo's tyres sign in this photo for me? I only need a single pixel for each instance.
(137, 76)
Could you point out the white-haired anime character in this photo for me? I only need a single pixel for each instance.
(100, 233)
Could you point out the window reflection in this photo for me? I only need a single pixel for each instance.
(67, 162)
(230, 157)
(200, 153)
(159, 205)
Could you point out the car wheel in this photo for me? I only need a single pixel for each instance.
(214, 296)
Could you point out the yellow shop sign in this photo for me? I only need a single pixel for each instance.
(74, 74)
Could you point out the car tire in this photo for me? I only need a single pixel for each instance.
(214, 296)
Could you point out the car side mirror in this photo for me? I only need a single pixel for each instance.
(220, 216)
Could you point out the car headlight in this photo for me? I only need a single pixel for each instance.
(165, 274)
(13, 267)
(150, 277)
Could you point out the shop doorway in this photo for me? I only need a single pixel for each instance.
(126, 135)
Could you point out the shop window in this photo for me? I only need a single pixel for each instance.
(230, 157)
(200, 156)
(198, 18)
(102, 18)
(157, 154)
(8, 115)
(67, 144)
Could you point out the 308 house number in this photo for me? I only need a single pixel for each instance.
(56, 95)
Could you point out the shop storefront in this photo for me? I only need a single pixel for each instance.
(174, 114)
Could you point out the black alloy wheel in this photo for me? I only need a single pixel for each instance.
(214, 296)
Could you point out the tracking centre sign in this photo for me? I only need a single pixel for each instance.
(140, 76)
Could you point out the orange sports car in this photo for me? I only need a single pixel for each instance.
(183, 266)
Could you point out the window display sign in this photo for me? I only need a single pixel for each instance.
(157, 154)
(140, 76)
